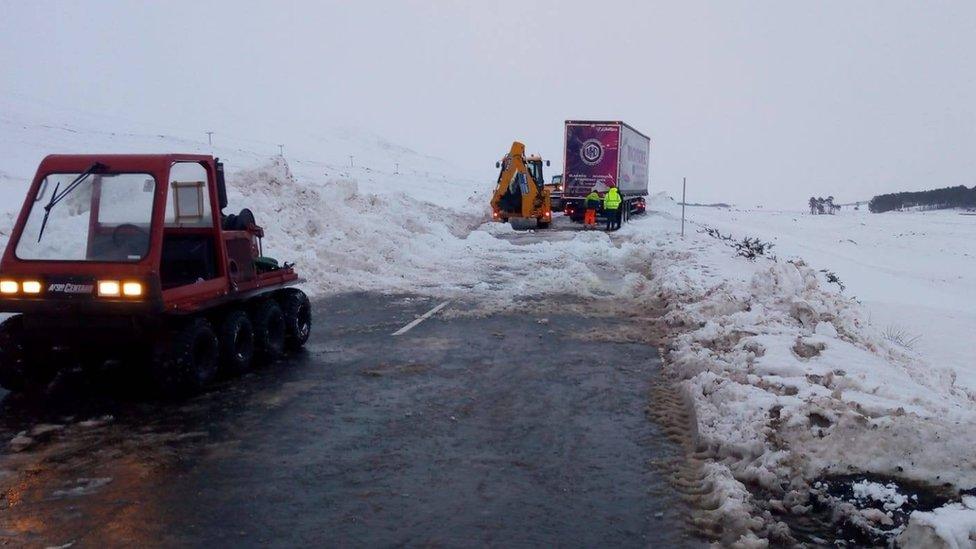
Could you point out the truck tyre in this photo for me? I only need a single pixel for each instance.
(236, 340)
(187, 361)
(18, 369)
(269, 329)
(298, 318)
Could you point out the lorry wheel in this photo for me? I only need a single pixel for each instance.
(298, 318)
(20, 368)
(236, 340)
(269, 329)
(186, 362)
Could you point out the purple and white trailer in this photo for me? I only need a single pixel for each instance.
(603, 154)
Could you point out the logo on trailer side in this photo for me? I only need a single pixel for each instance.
(591, 152)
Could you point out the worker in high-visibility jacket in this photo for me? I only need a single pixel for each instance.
(590, 203)
(611, 208)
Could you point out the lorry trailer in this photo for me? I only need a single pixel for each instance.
(603, 154)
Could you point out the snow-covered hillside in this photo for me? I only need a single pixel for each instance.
(31, 129)
(793, 383)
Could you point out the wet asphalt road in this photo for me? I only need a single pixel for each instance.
(497, 431)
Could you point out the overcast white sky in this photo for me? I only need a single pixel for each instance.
(755, 102)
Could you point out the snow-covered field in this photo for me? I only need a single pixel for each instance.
(793, 382)
(913, 272)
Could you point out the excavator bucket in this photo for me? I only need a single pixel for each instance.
(524, 223)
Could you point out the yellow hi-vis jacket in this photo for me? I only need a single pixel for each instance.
(612, 200)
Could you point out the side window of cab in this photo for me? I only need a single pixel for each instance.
(188, 199)
(189, 252)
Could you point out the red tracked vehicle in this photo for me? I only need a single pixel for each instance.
(122, 256)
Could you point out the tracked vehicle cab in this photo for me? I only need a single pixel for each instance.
(139, 231)
(110, 244)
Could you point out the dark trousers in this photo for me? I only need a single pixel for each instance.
(613, 219)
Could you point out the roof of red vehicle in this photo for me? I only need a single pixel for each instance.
(116, 162)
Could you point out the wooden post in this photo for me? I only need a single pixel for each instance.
(684, 186)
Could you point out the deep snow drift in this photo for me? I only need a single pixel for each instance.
(792, 381)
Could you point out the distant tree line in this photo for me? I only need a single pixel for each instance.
(949, 197)
(821, 205)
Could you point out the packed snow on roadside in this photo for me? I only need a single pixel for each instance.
(792, 382)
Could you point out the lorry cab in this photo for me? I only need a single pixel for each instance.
(556, 192)
(126, 233)
(557, 182)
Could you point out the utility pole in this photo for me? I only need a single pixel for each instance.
(684, 186)
(281, 150)
(210, 141)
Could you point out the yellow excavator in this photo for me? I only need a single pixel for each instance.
(521, 197)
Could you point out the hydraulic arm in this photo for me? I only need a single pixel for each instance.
(520, 193)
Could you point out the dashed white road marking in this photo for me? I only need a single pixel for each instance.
(420, 319)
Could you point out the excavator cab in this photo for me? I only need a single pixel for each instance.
(534, 164)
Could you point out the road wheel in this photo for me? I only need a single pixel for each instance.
(236, 340)
(21, 369)
(269, 329)
(297, 312)
(186, 361)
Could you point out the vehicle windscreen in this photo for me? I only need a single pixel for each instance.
(103, 217)
(535, 168)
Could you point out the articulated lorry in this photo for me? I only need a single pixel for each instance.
(600, 155)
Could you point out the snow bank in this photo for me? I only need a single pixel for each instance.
(791, 383)
(346, 240)
(343, 239)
